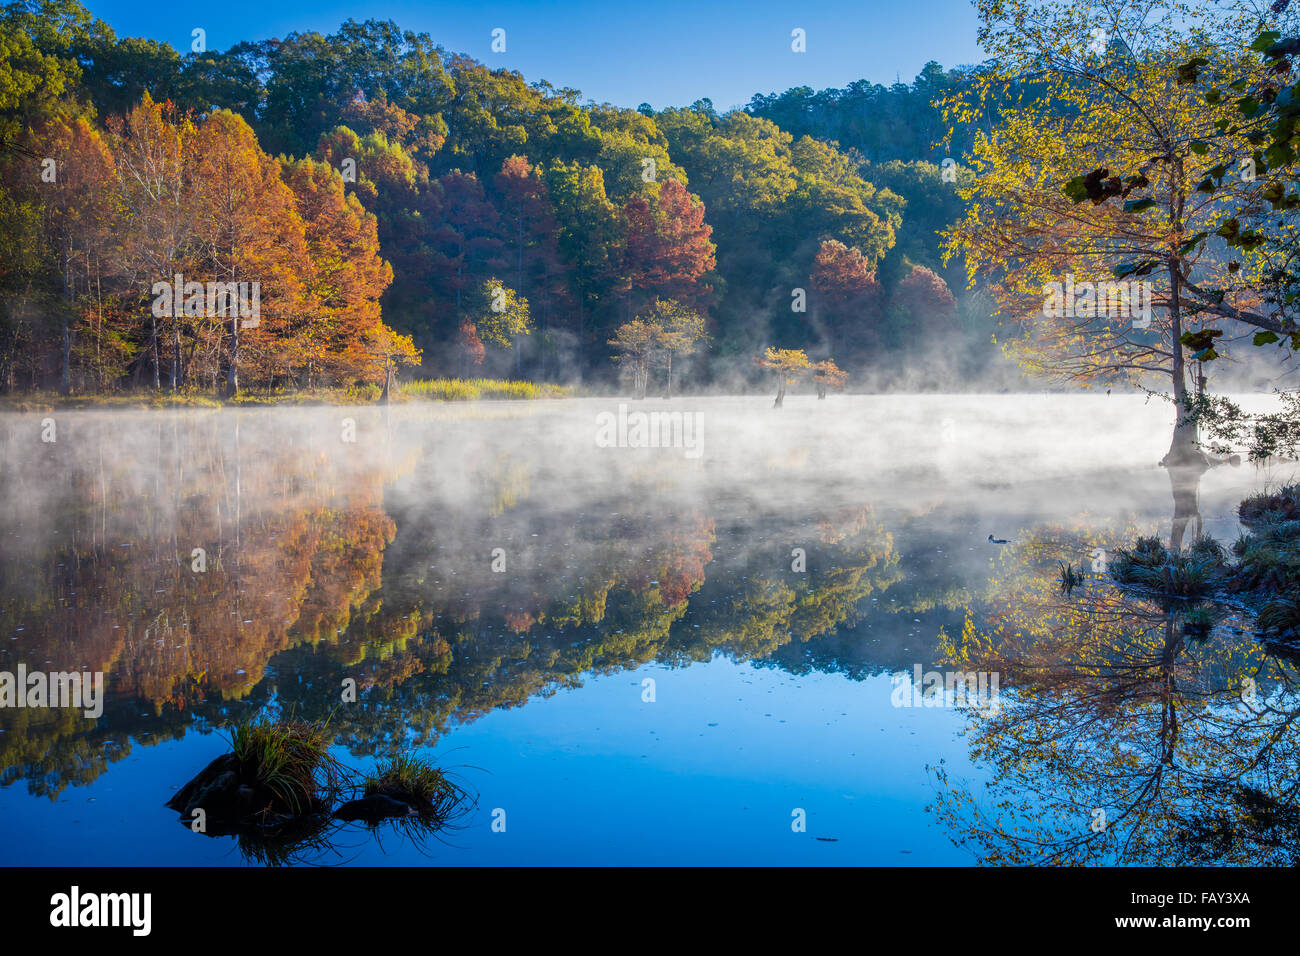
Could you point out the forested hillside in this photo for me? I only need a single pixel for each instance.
(399, 203)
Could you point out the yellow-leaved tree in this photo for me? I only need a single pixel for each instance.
(1083, 102)
(790, 365)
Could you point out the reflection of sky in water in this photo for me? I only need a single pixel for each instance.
(595, 776)
(709, 772)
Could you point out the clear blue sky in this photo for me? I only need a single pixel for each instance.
(666, 53)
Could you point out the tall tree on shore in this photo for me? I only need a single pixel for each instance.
(1106, 113)
(467, 242)
(500, 316)
(591, 236)
(248, 229)
(346, 277)
(847, 300)
(923, 308)
(79, 221)
(154, 151)
(529, 233)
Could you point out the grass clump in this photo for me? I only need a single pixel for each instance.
(1191, 573)
(415, 782)
(1146, 554)
(408, 775)
(1271, 507)
(277, 788)
(1279, 618)
(1070, 577)
(276, 773)
(290, 758)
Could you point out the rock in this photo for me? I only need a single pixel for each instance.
(185, 798)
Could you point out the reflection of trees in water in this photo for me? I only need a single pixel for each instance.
(98, 573)
(1120, 739)
(640, 594)
(327, 563)
(310, 580)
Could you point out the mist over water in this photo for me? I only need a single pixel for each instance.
(500, 587)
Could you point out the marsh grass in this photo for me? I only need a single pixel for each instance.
(474, 389)
(276, 791)
(1263, 565)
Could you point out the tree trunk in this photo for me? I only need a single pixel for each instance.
(65, 375)
(153, 348)
(1183, 448)
(780, 394)
(1185, 482)
(232, 368)
(176, 354)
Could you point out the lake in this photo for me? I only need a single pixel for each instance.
(699, 653)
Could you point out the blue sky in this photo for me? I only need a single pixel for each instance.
(666, 53)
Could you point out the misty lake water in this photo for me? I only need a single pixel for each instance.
(631, 655)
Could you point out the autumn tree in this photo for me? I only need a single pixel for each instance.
(680, 331)
(827, 375)
(669, 251)
(154, 154)
(501, 317)
(79, 220)
(635, 343)
(467, 242)
(345, 280)
(790, 367)
(469, 346)
(922, 307)
(1105, 108)
(847, 300)
(387, 350)
(248, 229)
(1256, 180)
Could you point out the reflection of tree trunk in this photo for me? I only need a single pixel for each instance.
(1185, 483)
(1169, 692)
